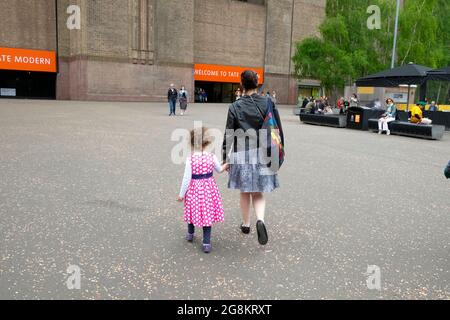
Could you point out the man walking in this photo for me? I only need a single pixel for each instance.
(172, 97)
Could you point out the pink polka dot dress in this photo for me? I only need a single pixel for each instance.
(203, 205)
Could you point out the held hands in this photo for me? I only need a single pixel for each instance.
(225, 167)
(180, 199)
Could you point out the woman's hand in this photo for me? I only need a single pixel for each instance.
(180, 199)
(226, 167)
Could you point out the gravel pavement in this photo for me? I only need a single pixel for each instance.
(93, 185)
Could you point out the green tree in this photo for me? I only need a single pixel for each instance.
(419, 41)
(442, 14)
(347, 49)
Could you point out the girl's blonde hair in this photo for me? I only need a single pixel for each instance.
(200, 139)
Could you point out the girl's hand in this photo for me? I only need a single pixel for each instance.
(180, 199)
(226, 167)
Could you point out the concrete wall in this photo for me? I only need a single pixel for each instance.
(27, 24)
(278, 39)
(128, 50)
(175, 32)
(132, 50)
(108, 29)
(136, 82)
(229, 32)
(308, 16)
(288, 22)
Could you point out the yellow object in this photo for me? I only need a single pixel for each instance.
(366, 90)
(416, 114)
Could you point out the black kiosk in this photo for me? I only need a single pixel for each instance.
(358, 117)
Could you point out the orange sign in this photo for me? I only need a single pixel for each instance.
(27, 60)
(217, 73)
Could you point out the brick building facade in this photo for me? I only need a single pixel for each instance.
(131, 50)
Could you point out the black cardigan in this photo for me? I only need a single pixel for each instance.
(244, 114)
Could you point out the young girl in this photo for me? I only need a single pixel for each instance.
(202, 202)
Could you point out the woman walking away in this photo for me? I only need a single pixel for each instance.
(183, 97)
(202, 202)
(247, 173)
(388, 116)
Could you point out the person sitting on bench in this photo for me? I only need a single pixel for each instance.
(320, 106)
(310, 107)
(388, 116)
(328, 110)
(417, 114)
(433, 106)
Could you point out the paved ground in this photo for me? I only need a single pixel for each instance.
(93, 185)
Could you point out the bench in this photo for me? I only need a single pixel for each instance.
(439, 117)
(338, 121)
(403, 128)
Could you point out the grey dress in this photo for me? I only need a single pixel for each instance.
(247, 172)
(183, 97)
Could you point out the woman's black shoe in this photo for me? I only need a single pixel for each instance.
(263, 237)
(244, 229)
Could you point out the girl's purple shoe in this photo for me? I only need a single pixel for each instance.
(207, 248)
(190, 237)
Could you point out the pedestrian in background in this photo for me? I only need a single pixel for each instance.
(274, 97)
(340, 105)
(200, 95)
(305, 102)
(183, 97)
(354, 102)
(320, 106)
(310, 107)
(346, 105)
(172, 97)
(328, 110)
(238, 94)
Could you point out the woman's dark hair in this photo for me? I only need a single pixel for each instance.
(249, 80)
